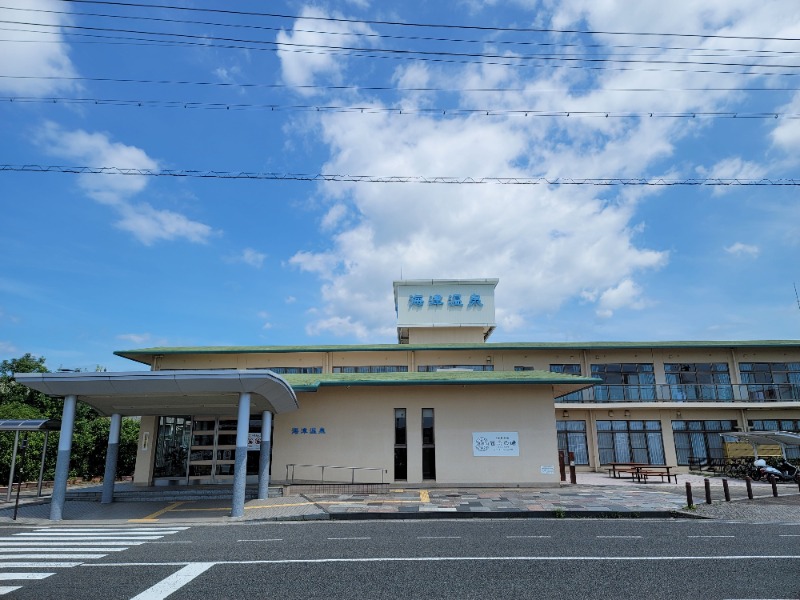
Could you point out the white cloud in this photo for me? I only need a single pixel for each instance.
(548, 245)
(146, 223)
(733, 168)
(8, 348)
(301, 66)
(252, 257)
(135, 338)
(740, 249)
(35, 52)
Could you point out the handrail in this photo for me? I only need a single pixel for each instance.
(697, 392)
(323, 467)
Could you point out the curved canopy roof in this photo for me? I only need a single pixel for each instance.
(168, 392)
(29, 425)
(784, 438)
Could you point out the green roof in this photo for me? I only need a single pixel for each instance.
(145, 355)
(311, 382)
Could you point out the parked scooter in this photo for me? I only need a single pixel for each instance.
(784, 472)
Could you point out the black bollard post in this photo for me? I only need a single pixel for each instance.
(749, 484)
(689, 500)
(726, 491)
(572, 475)
(707, 485)
(561, 465)
(774, 483)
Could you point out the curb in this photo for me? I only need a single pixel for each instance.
(529, 514)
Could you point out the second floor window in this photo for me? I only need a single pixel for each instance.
(624, 381)
(771, 381)
(698, 381)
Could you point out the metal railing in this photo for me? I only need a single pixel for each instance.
(291, 467)
(743, 392)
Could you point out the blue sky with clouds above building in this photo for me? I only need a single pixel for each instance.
(469, 89)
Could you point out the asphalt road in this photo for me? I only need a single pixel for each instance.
(464, 559)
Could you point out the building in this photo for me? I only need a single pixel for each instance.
(445, 406)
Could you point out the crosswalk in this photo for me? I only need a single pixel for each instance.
(30, 555)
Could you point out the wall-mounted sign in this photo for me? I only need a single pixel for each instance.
(453, 300)
(254, 441)
(495, 443)
(308, 431)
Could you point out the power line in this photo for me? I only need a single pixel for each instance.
(368, 109)
(705, 51)
(408, 53)
(379, 88)
(325, 177)
(429, 25)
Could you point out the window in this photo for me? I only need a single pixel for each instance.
(572, 438)
(295, 370)
(698, 381)
(524, 368)
(434, 368)
(568, 369)
(696, 442)
(771, 381)
(630, 441)
(400, 445)
(792, 425)
(428, 445)
(624, 381)
(372, 369)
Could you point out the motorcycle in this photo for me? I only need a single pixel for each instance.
(784, 472)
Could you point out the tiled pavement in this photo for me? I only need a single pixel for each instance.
(595, 496)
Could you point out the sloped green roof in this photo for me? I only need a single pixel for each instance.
(145, 355)
(311, 382)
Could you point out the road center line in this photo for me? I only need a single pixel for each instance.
(349, 538)
(438, 537)
(711, 536)
(620, 537)
(266, 540)
(512, 537)
(174, 582)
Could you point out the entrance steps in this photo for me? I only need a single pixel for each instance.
(178, 493)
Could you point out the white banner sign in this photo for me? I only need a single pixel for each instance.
(495, 443)
(253, 441)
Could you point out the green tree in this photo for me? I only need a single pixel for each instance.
(90, 433)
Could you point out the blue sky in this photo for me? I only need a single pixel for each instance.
(94, 263)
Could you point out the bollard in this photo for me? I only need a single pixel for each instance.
(726, 491)
(561, 465)
(572, 475)
(749, 484)
(774, 483)
(689, 501)
(707, 485)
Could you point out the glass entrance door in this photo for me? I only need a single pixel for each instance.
(213, 450)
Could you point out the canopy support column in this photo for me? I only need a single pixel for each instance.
(13, 467)
(62, 463)
(240, 466)
(112, 453)
(263, 459)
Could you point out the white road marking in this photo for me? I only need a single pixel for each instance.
(52, 554)
(62, 537)
(111, 529)
(459, 558)
(7, 589)
(39, 565)
(349, 538)
(620, 537)
(174, 582)
(16, 576)
(789, 534)
(711, 536)
(61, 549)
(265, 540)
(438, 537)
(38, 542)
(511, 537)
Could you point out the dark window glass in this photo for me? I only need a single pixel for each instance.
(696, 442)
(630, 441)
(427, 426)
(400, 426)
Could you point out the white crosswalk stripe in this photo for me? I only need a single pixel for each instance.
(66, 547)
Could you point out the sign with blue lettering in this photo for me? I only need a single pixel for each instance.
(308, 431)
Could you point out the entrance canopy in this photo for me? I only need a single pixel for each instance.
(160, 393)
(782, 438)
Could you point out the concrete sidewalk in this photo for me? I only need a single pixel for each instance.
(595, 496)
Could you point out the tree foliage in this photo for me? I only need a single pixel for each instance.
(90, 433)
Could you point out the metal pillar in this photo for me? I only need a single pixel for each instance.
(13, 466)
(62, 463)
(240, 466)
(263, 459)
(41, 465)
(111, 459)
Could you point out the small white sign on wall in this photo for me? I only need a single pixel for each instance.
(495, 443)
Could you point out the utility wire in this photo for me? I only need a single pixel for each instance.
(356, 50)
(367, 109)
(389, 88)
(324, 177)
(429, 25)
(705, 51)
(599, 64)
